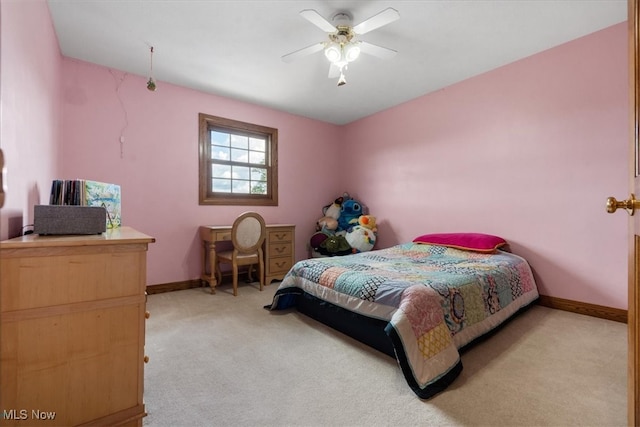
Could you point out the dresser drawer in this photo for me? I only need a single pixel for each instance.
(68, 278)
(279, 265)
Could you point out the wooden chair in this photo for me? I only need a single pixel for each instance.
(247, 235)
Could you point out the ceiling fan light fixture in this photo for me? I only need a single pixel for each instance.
(351, 52)
(333, 53)
(343, 46)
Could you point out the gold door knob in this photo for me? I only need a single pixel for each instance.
(629, 205)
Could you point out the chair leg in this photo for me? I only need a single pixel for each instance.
(235, 280)
(261, 272)
(218, 274)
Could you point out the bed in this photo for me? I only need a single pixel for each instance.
(420, 302)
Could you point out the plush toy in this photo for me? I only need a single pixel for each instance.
(331, 214)
(361, 239)
(368, 221)
(333, 210)
(326, 223)
(345, 228)
(335, 245)
(316, 240)
(349, 213)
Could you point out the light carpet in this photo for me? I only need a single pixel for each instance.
(220, 360)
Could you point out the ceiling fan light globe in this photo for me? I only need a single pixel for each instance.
(351, 52)
(332, 52)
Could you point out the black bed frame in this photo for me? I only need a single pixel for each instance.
(364, 329)
(379, 335)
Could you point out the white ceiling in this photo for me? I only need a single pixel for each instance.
(234, 48)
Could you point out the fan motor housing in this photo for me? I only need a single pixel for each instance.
(342, 36)
(342, 19)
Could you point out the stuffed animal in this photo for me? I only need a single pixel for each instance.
(317, 239)
(335, 245)
(361, 239)
(368, 221)
(333, 210)
(345, 228)
(331, 214)
(326, 223)
(349, 213)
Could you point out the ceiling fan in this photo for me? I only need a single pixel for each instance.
(342, 46)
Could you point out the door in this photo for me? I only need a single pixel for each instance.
(632, 206)
(634, 220)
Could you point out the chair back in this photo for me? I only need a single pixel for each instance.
(248, 233)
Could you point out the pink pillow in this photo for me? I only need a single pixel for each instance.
(476, 242)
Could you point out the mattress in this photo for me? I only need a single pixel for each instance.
(421, 303)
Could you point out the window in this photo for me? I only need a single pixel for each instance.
(238, 162)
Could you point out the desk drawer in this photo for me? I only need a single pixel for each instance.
(280, 236)
(222, 235)
(276, 250)
(279, 265)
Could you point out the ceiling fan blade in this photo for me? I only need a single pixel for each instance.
(290, 57)
(316, 19)
(385, 17)
(375, 50)
(334, 71)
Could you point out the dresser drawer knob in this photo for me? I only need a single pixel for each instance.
(146, 359)
(147, 314)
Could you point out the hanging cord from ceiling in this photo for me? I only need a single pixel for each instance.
(151, 84)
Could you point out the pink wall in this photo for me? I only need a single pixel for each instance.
(30, 73)
(529, 151)
(158, 166)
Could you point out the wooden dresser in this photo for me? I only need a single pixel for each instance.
(72, 327)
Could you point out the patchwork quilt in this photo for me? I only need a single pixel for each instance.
(435, 299)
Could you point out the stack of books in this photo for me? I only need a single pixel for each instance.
(82, 192)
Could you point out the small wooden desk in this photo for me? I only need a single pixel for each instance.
(279, 251)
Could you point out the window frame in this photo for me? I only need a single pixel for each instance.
(208, 122)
